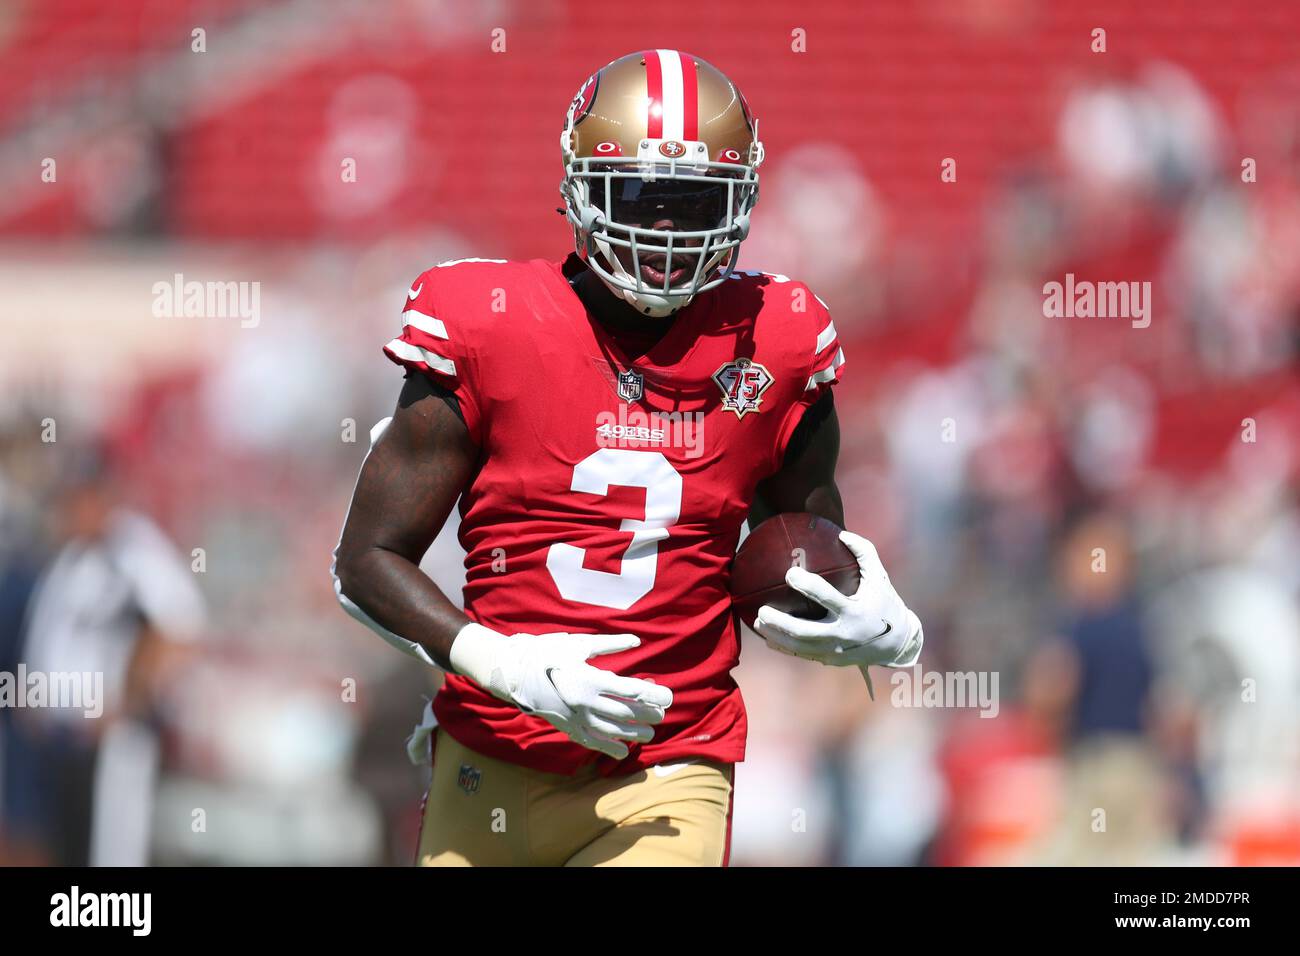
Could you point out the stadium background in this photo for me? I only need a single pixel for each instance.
(1121, 691)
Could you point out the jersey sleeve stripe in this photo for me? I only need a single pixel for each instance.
(825, 337)
(827, 374)
(425, 323)
(413, 353)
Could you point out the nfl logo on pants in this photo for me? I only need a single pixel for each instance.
(469, 778)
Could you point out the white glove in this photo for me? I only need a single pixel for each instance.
(548, 675)
(873, 626)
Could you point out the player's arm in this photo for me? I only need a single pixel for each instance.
(806, 479)
(409, 482)
(872, 626)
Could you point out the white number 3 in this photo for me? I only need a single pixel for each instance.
(663, 504)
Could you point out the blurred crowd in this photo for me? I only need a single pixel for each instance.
(1105, 517)
(1099, 522)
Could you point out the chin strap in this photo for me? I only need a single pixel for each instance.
(631, 299)
(660, 312)
(660, 307)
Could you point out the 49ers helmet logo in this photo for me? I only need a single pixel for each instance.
(672, 149)
(743, 383)
(583, 99)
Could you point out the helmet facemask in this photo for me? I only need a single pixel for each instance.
(613, 204)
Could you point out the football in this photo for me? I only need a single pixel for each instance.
(776, 545)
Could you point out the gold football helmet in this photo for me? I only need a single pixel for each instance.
(661, 158)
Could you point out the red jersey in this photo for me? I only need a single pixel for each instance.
(611, 492)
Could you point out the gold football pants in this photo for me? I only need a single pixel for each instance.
(485, 812)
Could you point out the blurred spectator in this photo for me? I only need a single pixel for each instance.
(113, 599)
(1112, 667)
(1117, 809)
(20, 559)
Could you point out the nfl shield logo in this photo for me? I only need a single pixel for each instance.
(469, 778)
(631, 385)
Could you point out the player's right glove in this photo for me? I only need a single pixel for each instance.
(548, 675)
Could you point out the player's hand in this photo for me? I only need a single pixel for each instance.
(548, 675)
(873, 626)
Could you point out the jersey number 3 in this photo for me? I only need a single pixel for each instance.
(663, 505)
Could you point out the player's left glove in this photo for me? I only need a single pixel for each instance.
(873, 626)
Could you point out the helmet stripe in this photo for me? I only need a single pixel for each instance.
(670, 70)
(690, 99)
(654, 87)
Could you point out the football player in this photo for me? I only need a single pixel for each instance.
(608, 423)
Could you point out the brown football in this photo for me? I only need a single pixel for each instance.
(776, 545)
